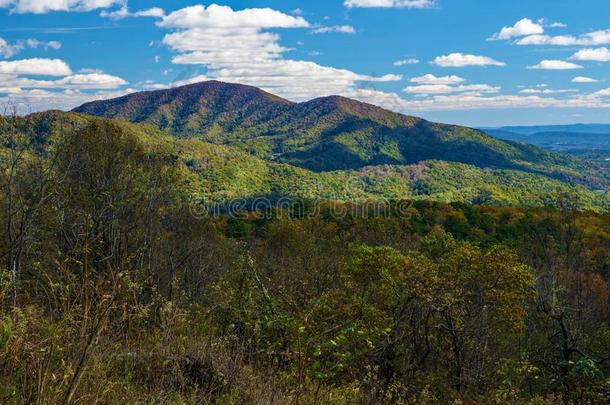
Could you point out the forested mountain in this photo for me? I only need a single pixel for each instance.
(336, 134)
(330, 133)
(228, 171)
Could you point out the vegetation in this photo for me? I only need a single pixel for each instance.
(114, 287)
(329, 134)
(220, 173)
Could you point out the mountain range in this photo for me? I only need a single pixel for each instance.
(240, 141)
(573, 139)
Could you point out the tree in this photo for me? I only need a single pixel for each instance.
(26, 173)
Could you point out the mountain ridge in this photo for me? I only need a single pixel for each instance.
(533, 129)
(223, 173)
(324, 134)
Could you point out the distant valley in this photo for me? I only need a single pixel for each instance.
(576, 138)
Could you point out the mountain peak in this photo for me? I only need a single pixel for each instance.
(227, 88)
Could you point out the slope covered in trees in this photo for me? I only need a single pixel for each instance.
(115, 288)
(326, 134)
(225, 172)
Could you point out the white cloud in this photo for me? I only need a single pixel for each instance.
(473, 101)
(36, 66)
(7, 50)
(555, 65)
(590, 39)
(431, 79)
(18, 85)
(602, 93)
(389, 3)
(39, 100)
(583, 79)
(591, 54)
(558, 25)
(34, 43)
(430, 84)
(124, 12)
(215, 16)
(151, 12)
(45, 6)
(343, 29)
(88, 70)
(76, 81)
(547, 91)
(403, 62)
(446, 89)
(521, 28)
(91, 81)
(462, 60)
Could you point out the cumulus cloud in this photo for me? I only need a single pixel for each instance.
(465, 101)
(430, 84)
(39, 99)
(389, 3)
(521, 28)
(35, 67)
(462, 60)
(547, 91)
(343, 29)
(555, 65)
(90, 81)
(431, 79)
(446, 89)
(403, 62)
(592, 54)
(45, 6)
(590, 39)
(583, 79)
(19, 83)
(75, 81)
(216, 16)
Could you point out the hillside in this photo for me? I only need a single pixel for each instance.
(325, 134)
(109, 268)
(225, 172)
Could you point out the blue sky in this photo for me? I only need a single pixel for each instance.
(472, 62)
